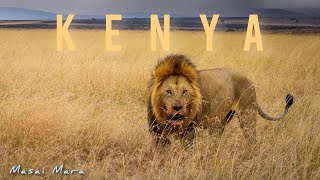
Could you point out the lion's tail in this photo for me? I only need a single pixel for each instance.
(289, 102)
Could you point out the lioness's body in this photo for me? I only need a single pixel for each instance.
(182, 98)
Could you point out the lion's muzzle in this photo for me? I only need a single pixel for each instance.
(176, 120)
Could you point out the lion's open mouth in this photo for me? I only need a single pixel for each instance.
(176, 117)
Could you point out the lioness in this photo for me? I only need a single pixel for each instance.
(182, 98)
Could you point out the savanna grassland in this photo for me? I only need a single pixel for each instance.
(87, 109)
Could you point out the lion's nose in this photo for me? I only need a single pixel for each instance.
(177, 108)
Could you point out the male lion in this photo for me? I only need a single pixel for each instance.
(182, 98)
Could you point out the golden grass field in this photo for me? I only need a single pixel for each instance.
(87, 109)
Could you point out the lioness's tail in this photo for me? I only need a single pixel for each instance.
(289, 102)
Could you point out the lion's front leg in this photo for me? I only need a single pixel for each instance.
(187, 136)
(161, 141)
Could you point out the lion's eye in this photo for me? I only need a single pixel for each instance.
(169, 92)
(184, 91)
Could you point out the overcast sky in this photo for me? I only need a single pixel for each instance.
(161, 6)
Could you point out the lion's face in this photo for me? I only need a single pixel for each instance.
(176, 101)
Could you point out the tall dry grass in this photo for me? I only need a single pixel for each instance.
(87, 109)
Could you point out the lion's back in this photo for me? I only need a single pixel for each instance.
(216, 82)
(223, 86)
